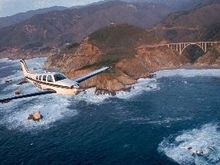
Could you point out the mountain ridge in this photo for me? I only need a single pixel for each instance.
(72, 25)
(19, 17)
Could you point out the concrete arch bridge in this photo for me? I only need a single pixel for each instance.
(181, 46)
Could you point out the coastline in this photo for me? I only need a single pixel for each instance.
(128, 88)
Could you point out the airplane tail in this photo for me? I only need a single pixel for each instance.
(24, 67)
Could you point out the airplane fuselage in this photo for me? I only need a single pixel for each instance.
(53, 81)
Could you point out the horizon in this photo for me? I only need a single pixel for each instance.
(13, 7)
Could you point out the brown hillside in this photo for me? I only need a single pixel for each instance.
(72, 25)
(122, 48)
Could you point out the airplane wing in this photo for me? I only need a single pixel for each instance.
(85, 77)
(6, 100)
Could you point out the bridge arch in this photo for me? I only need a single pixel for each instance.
(192, 44)
(181, 46)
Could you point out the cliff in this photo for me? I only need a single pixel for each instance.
(123, 47)
(210, 59)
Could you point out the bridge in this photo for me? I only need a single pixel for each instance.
(180, 47)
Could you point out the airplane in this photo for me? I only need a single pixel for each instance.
(52, 82)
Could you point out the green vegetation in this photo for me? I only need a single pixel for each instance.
(118, 36)
(117, 42)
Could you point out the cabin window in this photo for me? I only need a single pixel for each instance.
(36, 77)
(44, 77)
(49, 78)
(40, 77)
(59, 77)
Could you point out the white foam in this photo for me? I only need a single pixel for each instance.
(141, 86)
(13, 77)
(183, 147)
(168, 120)
(35, 63)
(146, 85)
(147, 120)
(14, 115)
(7, 60)
(188, 73)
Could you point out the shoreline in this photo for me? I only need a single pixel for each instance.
(153, 75)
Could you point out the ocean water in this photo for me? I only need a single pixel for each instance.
(164, 120)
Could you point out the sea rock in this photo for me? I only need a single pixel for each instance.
(36, 116)
(17, 92)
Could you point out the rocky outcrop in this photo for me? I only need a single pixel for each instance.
(36, 116)
(210, 59)
(129, 60)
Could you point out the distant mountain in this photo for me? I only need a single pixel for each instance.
(202, 23)
(10, 20)
(175, 4)
(72, 25)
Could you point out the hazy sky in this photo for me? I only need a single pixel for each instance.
(10, 7)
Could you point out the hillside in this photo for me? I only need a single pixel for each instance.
(133, 53)
(201, 23)
(72, 25)
(17, 18)
(118, 46)
(175, 4)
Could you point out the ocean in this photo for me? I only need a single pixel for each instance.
(164, 120)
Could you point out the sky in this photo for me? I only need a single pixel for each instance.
(11, 7)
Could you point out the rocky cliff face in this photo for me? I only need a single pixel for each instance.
(131, 52)
(211, 58)
(129, 61)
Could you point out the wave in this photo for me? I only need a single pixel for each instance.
(147, 120)
(200, 146)
(7, 60)
(15, 114)
(141, 86)
(188, 73)
(34, 64)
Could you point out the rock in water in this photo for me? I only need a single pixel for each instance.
(17, 92)
(36, 116)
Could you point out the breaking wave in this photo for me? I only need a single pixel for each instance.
(14, 115)
(34, 64)
(141, 86)
(147, 120)
(188, 73)
(199, 146)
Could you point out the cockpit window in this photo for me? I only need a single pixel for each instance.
(49, 78)
(58, 77)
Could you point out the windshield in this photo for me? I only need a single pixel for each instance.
(58, 77)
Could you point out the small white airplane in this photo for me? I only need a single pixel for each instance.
(52, 82)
